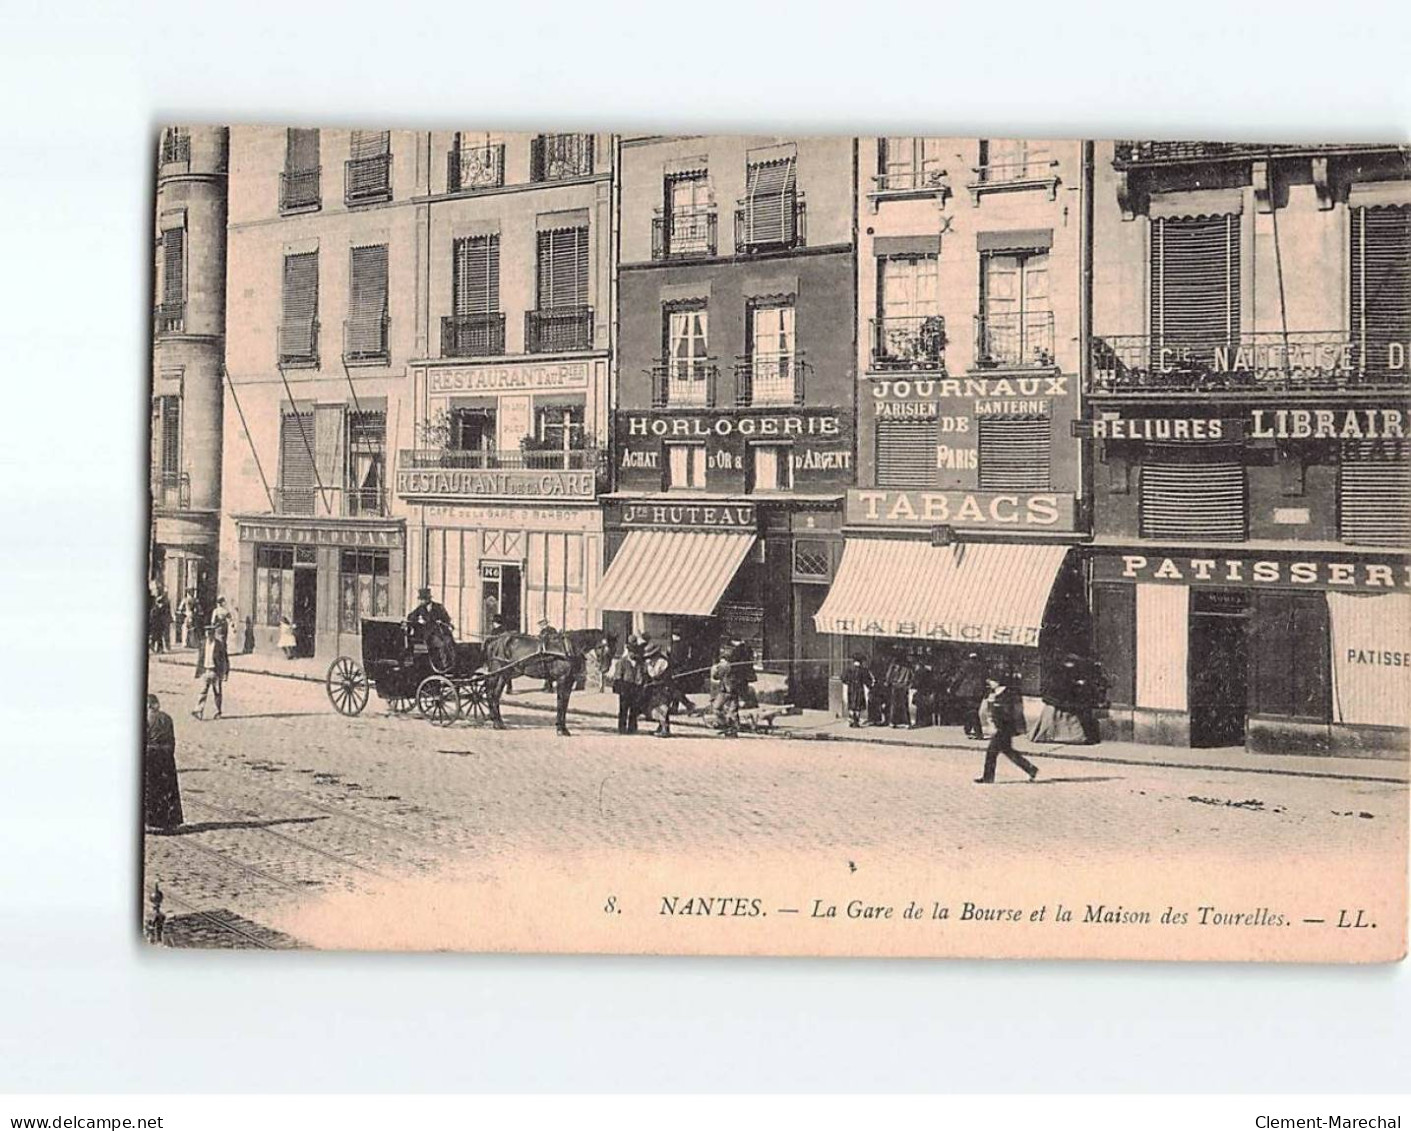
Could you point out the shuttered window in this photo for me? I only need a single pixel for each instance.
(296, 465)
(563, 268)
(1381, 287)
(369, 143)
(1195, 287)
(298, 335)
(906, 453)
(770, 196)
(367, 302)
(170, 409)
(301, 153)
(1193, 500)
(476, 282)
(1014, 452)
(367, 441)
(1374, 494)
(173, 267)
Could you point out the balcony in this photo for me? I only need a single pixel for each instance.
(558, 330)
(171, 490)
(473, 335)
(366, 342)
(1025, 173)
(684, 383)
(1129, 153)
(556, 157)
(1252, 363)
(901, 182)
(298, 344)
(299, 189)
(169, 318)
(331, 502)
(917, 342)
(574, 459)
(475, 167)
(1014, 341)
(772, 223)
(367, 180)
(769, 379)
(443, 473)
(684, 233)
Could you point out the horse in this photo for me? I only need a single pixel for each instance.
(557, 659)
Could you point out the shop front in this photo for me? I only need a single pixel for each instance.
(324, 578)
(1290, 651)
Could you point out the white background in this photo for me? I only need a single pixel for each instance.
(82, 90)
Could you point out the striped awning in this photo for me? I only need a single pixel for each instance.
(984, 593)
(673, 571)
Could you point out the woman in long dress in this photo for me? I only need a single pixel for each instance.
(161, 793)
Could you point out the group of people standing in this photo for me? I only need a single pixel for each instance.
(183, 625)
(645, 676)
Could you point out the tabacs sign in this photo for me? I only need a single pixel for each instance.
(1003, 510)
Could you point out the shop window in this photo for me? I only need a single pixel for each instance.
(364, 587)
(1290, 655)
(811, 560)
(1014, 453)
(685, 466)
(1193, 500)
(770, 467)
(274, 584)
(906, 453)
(1374, 493)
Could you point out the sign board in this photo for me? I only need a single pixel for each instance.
(516, 518)
(983, 510)
(1291, 570)
(386, 537)
(709, 516)
(470, 483)
(498, 378)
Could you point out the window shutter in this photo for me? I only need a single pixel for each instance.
(300, 304)
(1193, 500)
(296, 467)
(563, 268)
(1014, 452)
(301, 153)
(906, 453)
(367, 300)
(1374, 494)
(173, 266)
(477, 275)
(171, 437)
(369, 143)
(1381, 284)
(769, 202)
(1195, 287)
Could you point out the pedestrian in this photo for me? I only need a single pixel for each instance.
(161, 793)
(212, 662)
(191, 606)
(899, 677)
(878, 698)
(596, 663)
(160, 620)
(726, 701)
(659, 686)
(221, 616)
(968, 685)
(179, 623)
(857, 684)
(549, 641)
(288, 642)
(924, 693)
(625, 672)
(1006, 705)
(248, 644)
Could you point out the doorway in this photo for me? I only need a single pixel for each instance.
(1218, 669)
(500, 595)
(305, 610)
(811, 671)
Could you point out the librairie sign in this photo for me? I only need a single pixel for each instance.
(1378, 573)
(1261, 424)
(469, 483)
(710, 516)
(994, 510)
(548, 376)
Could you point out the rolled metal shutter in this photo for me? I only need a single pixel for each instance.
(296, 465)
(1014, 452)
(906, 453)
(1374, 494)
(770, 188)
(563, 268)
(1193, 500)
(300, 305)
(367, 300)
(476, 280)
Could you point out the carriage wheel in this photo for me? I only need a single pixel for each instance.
(475, 700)
(438, 700)
(347, 686)
(401, 704)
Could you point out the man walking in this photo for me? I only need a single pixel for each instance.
(857, 684)
(1007, 707)
(213, 662)
(968, 687)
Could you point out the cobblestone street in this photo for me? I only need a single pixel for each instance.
(290, 806)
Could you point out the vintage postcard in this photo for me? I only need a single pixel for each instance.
(877, 546)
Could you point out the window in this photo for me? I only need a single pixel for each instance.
(1016, 319)
(171, 315)
(299, 183)
(811, 560)
(555, 156)
(1195, 289)
(1381, 288)
(473, 430)
(176, 145)
(772, 370)
(364, 587)
(1193, 500)
(906, 453)
(1014, 452)
(769, 214)
(687, 369)
(368, 172)
(690, 215)
(476, 327)
(685, 466)
(297, 481)
(1374, 493)
(909, 330)
(274, 583)
(367, 462)
(475, 161)
(365, 336)
(563, 268)
(558, 428)
(166, 451)
(298, 327)
(770, 467)
(908, 163)
(1014, 159)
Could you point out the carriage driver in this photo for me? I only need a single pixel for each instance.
(421, 621)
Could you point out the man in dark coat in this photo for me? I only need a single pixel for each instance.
(213, 662)
(857, 683)
(878, 697)
(899, 677)
(968, 687)
(161, 794)
(625, 673)
(1007, 705)
(924, 685)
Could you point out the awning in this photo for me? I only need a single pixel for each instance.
(982, 593)
(673, 571)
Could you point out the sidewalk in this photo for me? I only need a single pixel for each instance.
(820, 726)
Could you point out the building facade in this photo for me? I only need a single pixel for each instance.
(734, 436)
(1247, 420)
(970, 292)
(188, 349)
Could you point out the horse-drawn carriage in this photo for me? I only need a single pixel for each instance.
(396, 667)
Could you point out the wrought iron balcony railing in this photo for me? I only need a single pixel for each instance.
(553, 157)
(473, 335)
(366, 341)
(568, 459)
(176, 147)
(169, 318)
(171, 490)
(475, 167)
(1018, 341)
(770, 223)
(685, 383)
(1127, 153)
(910, 180)
(331, 502)
(770, 379)
(1249, 363)
(298, 343)
(916, 342)
(1010, 172)
(367, 180)
(683, 233)
(558, 330)
(299, 189)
